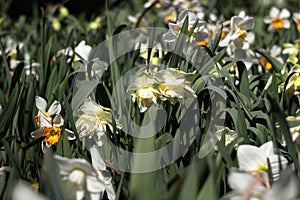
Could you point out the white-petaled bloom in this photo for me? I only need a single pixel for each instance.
(81, 51)
(80, 179)
(274, 52)
(238, 33)
(158, 4)
(92, 121)
(278, 19)
(175, 85)
(255, 159)
(251, 187)
(228, 134)
(49, 122)
(296, 18)
(23, 190)
(197, 35)
(292, 50)
(145, 91)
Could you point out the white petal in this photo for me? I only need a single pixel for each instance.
(94, 185)
(286, 24)
(274, 12)
(267, 148)
(285, 13)
(250, 157)
(71, 135)
(110, 192)
(58, 121)
(97, 161)
(37, 133)
(267, 20)
(239, 181)
(22, 190)
(40, 103)
(55, 108)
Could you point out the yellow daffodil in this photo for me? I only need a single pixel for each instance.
(94, 24)
(292, 50)
(293, 84)
(63, 12)
(56, 24)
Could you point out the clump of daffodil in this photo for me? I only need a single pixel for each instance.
(145, 92)
(292, 50)
(49, 122)
(93, 120)
(175, 85)
(255, 160)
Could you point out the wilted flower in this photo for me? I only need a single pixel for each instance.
(49, 123)
(296, 17)
(80, 179)
(196, 35)
(255, 159)
(93, 120)
(278, 19)
(175, 85)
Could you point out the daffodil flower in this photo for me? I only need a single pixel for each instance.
(175, 85)
(94, 24)
(278, 19)
(80, 179)
(292, 50)
(296, 18)
(274, 52)
(49, 123)
(255, 159)
(145, 91)
(197, 35)
(293, 84)
(238, 34)
(248, 186)
(92, 121)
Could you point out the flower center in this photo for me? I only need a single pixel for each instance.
(52, 134)
(298, 24)
(277, 22)
(262, 168)
(265, 63)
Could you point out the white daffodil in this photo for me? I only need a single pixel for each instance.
(81, 51)
(145, 91)
(278, 19)
(228, 134)
(80, 179)
(175, 85)
(274, 52)
(238, 34)
(296, 18)
(248, 186)
(158, 4)
(23, 190)
(255, 159)
(92, 121)
(49, 123)
(197, 35)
